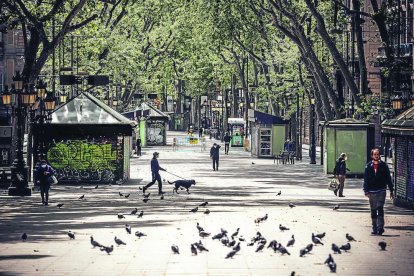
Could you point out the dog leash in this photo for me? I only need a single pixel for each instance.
(175, 175)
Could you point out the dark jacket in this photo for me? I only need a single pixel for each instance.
(376, 182)
(227, 138)
(340, 167)
(43, 174)
(155, 167)
(214, 152)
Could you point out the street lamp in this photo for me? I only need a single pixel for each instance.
(19, 171)
(396, 103)
(312, 144)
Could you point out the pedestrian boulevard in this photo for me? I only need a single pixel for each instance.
(240, 194)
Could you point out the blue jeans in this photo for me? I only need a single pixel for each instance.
(376, 202)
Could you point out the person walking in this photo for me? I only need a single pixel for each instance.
(155, 171)
(340, 173)
(44, 172)
(226, 139)
(215, 154)
(200, 132)
(138, 146)
(376, 179)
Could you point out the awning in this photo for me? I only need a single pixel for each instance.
(403, 124)
(265, 119)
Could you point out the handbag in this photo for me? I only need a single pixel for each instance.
(333, 184)
(52, 180)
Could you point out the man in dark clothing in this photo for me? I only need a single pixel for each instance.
(340, 172)
(215, 154)
(139, 146)
(200, 132)
(227, 139)
(43, 174)
(155, 170)
(376, 179)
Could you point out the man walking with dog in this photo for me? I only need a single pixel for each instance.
(215, 154)
(155, 171)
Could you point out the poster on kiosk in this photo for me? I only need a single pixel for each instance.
(236, 128)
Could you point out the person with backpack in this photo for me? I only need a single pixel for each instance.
(44, 174)
(340, 173)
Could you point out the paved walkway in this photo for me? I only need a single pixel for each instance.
(242, 190)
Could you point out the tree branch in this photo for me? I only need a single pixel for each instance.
(58, 4)
(83, 23)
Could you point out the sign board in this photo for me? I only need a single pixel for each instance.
(235, 121)
(5, 131)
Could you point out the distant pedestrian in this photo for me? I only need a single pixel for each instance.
(340, 173)
(155, 171)
(200, 132)
(287, 145)
(138, 146)
(227, 139)
(376, 179)
(174, 144)
(214, 155)
(44, 173)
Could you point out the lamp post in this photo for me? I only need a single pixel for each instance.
(312, 144)
(25, 97)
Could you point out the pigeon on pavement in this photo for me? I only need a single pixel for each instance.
(320, 236)
(107, 249)
(329, 259)
(121, 216)
(119, 241)
(128, 228)
(175, 249)
(383, 245)
(140, 214)
(127, 195)
(133, 212)
(139, 234)
(291, 205)
(193, 250)
(336, 249)
(96, 187)
(336, 207)
(231, 254)
(147, 195)
(235, 233)
(60, 205)
(145, 200)
(95, 243)
(204, 204)
(332, 266)
(24, 237)
(203, 234)
(82, 197)
(315, 240)
(346, 247)
(279, 193)
(207, 211)
(120, 194)
(194, 210)
(291, 242)
(349, 237)
(71, 235)
(282, 228)
(199, 227)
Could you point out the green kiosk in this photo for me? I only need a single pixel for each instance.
(236, 126)
(353, 137)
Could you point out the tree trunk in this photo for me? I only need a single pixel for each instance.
(363, 78)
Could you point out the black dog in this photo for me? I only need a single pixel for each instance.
(182, 184)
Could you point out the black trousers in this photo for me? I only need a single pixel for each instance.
(155, 177)
(226, 148)
(215, 163)
(44, 191)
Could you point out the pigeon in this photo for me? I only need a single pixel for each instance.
(320, 236)
(207, 211)
(127, 195)
(253, 163)
(235, 233)
(71, 235)
(60, 205)
(140, 214)
(128, 228)
(237, 247)
(147, 195)
(383, 245)
(283, 250)
(120, 194)
(193, 250)
(133, 212)
(107, 249)
(241, 238)
(95, 243)
(203, 234)
(279, 193)
(199, 227)
(349, 237)
(231, 254)
(316, 240)
(329, 259)
(291, 205)
(175, 249)
(260, 247)
(139, 234)
(204, 204)
(162, 197)
(332, 266)
(194, 210)
(273, 245)
(121, 216)
(145, 200)
(218, 236)
(225, 241)
(232, 243)
(96, 187)
(336, 249)
(119, 241)
(200, 246)
(264, 218)
(282, 228)
(346, 247)
(302, 252)
(291, 242)
(309, 247)
(24, 237)
(82, 197)
(336, 207)
(163, 180)
(258, 220)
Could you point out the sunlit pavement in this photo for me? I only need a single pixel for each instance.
(242, 190)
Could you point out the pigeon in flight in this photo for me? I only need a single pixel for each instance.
(291, 242)
(140, 214)
(60, 205)
(139, 234)
(336, 207)
(204, 204)
(107, 249)
(119, 241)
(133, 212)
(175, 249)
(194, 210)
(336, 249)
(71, 235)
(193, 250)
(128, 228)
(383, 245)
(24, 237)
(95, 243)
(349, 237)
(207, 211)
(282, 228)
(346, 247)
(82, 197)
